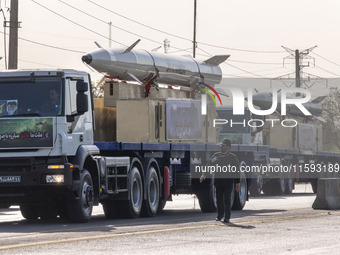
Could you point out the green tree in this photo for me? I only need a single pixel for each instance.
(331, 113)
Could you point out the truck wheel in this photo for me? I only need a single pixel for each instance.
(241, 196)
(289, 186)
(62, 212)
(29, 212)
(256, 186)
(207, 197)
(133, 206)
(150, 204)
(4, 206)
(161, 205)
(80, 209)
(282, 186)
(111, 209)
(314, 183)
(48, 212)
(274, 187)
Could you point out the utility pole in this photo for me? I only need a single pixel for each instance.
(13, 25)
(194, 40)
(110, 33)
(166, 45)
(299, 56)
(297, 69)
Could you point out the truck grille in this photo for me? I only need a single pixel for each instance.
(15, 165)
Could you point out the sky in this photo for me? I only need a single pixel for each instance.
(56, 33)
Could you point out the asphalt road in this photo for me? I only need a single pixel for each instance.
(267, 225)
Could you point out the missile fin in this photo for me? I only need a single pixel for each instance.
(318, 99)
(132, 46)
(320, 118)
(135, 78)
(98, 45)
(222, 92)
(216, 60)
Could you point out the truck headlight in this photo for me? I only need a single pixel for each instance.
(55, 178)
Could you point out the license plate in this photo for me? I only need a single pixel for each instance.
(7, 179)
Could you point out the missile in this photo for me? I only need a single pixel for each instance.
(147, 67)
(264, 101)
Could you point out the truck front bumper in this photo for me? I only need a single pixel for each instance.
(23, 178)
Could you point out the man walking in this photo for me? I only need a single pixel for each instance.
(224, 183)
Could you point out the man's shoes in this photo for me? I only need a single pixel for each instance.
(218, 219)
(226, 221)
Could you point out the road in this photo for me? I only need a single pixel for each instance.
(267, 225)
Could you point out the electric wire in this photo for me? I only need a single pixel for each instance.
(325, 59)
(98, 19)
(179, 37)
(103, 21)
(49, 46)
(73, 22)
(327, 71)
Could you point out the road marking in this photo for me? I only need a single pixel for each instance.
(79, 239)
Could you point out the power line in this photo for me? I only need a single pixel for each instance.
(103, 21)
(139, 23)
(244, 70)
(75, 22)
(325, 59)
(180, 37)
(49, 46)
(98, 19)
(327, 71)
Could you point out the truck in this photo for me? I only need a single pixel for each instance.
(62, 151)
(278, 151)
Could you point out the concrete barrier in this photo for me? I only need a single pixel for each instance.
(328, 194)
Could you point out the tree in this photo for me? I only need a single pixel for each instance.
(331, 113)
(98, 90)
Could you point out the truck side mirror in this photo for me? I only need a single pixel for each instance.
(82, 103)
(82, 86)
(82, 99)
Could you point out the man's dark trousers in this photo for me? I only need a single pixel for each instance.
(223, 196)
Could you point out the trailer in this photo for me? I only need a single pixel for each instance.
(277, 152)
(63, 151)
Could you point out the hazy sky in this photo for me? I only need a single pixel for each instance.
(252, 32)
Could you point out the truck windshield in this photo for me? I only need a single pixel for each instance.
(41, 97)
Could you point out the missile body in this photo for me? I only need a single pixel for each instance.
(142, 66)
(265, 100)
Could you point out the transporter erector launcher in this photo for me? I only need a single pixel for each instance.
(148, 66)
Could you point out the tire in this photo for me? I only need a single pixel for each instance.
(62, 212)
(289, 186)
(48, 212)
(256, 186)
(80, 208)
(240, 197)
(132, 207)
(161, 205)
(4, 206)
(207, 197)
(274, 187)
(29, 212)
(314, 183)
(151, 201)
(111, 210)
(281, 186)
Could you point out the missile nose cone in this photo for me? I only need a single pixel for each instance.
(87, 58)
